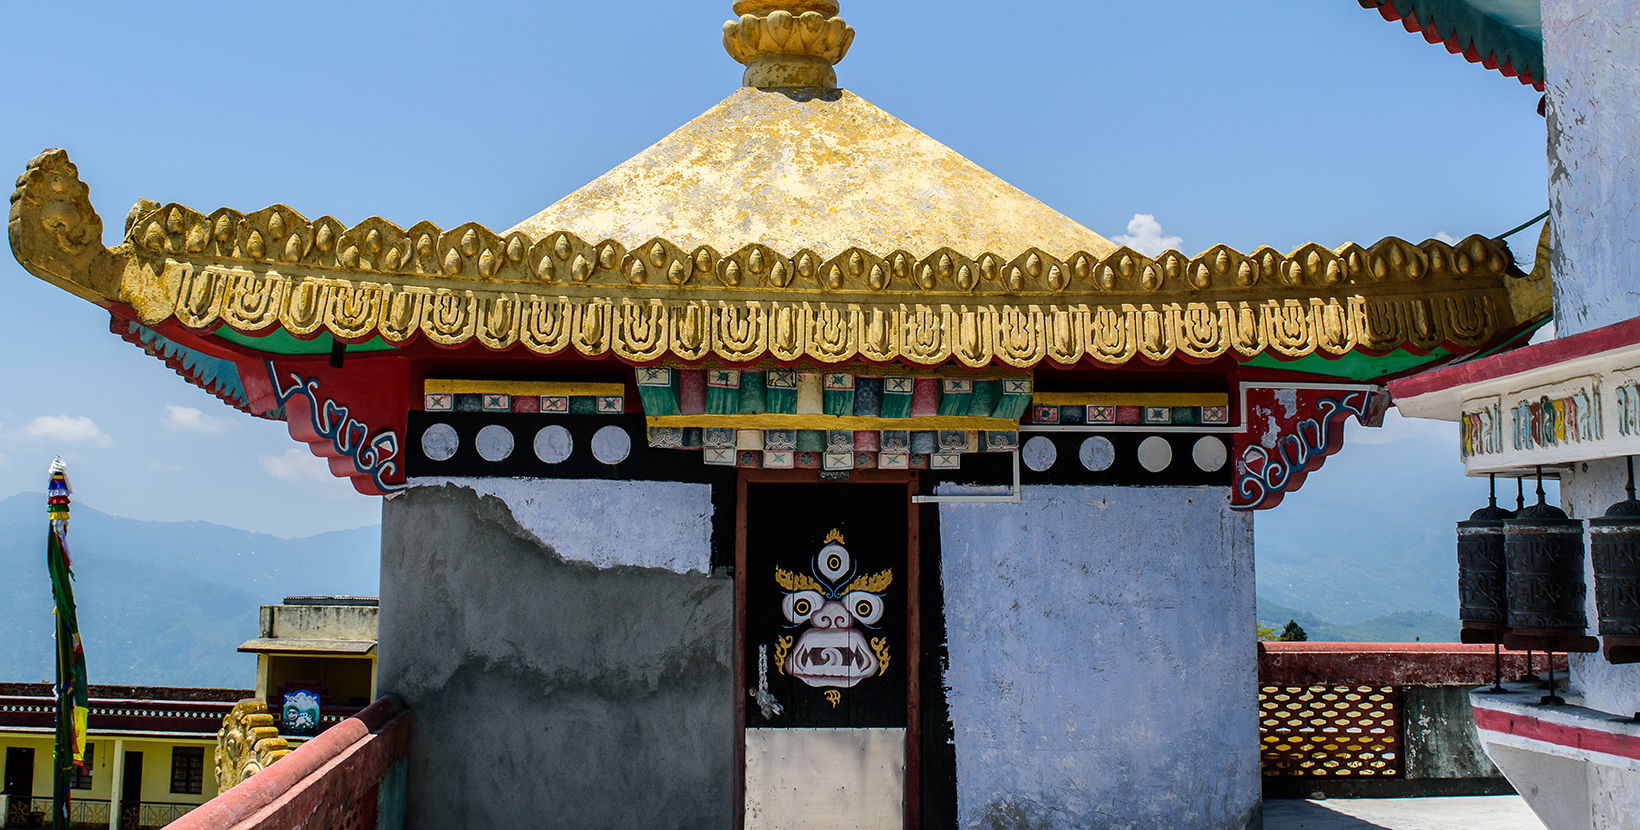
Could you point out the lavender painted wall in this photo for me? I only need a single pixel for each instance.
(1591, 52)
(1102, 659)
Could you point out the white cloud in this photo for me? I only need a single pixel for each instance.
(1145, 236)
(1445, 237)
(68, 429)
(188, 419)
(297, 465)
(1397, 428)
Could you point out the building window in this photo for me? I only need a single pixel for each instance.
(82, 780)
(187, 769)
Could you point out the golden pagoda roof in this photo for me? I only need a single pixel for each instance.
(818, 170)
(797, 223)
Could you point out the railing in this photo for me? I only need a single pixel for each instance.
(94, 813)
(349, 776)
(1376, 719)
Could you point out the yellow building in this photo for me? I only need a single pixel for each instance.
(152, 750)
(149, 748)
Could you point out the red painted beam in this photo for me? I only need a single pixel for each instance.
(1583, 344)
(315, 785)
(1386, 664)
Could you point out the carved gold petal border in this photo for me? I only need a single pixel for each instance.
(252, 272)
(974, 334)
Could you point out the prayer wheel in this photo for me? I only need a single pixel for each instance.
(1543, 549)
(1483, 598)
(1614, 544)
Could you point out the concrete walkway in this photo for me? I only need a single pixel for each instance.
(1487, 812)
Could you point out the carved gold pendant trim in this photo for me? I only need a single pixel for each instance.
(275, 268)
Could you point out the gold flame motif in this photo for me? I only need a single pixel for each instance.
(875, 583)
(795, 581)
(880, 645)
(781, 646)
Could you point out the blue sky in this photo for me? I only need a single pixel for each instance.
(1247, 124)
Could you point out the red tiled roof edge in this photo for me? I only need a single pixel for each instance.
(174, 693)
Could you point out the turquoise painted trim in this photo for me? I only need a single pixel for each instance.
(213, 374)
(280, 342)
(1501, 28)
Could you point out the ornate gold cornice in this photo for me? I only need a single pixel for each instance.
(275, 268)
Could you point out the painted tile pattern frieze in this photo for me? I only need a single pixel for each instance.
(864, 418)
(1568, 415)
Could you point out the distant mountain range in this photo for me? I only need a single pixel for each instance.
(1371, 534)
(1400, 627)
(163, 603)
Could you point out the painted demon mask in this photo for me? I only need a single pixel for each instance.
(834, 607)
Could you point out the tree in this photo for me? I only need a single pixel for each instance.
(1293, 633)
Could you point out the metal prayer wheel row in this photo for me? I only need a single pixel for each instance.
(1521, 578)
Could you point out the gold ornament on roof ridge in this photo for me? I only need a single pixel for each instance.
(788, 43)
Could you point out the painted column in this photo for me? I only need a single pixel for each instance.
(563, 648)
(116, 776)
(1102, 669)
(1591, 53)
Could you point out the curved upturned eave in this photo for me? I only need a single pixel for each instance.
(559, 294)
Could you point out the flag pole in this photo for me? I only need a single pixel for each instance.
(73, 699)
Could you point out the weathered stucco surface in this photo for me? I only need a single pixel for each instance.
(579, 518)
(818, 171)
(1102, 659)
(1441, 739)
(553, 692)
(1591, 52)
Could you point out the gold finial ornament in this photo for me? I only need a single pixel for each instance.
(835, 535)
(788, 43)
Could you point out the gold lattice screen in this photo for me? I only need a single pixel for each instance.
(1333, 731)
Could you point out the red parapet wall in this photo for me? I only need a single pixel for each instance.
(1388, 664)
(331, 781)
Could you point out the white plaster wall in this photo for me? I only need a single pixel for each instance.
(1585, 492)
(1103, 668)
(1591, 52)
(608, 523)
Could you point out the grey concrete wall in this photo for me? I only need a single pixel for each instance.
(1103, 665)
(1441, 740)
(1591, 54)
(1586, 491)
(548, 691)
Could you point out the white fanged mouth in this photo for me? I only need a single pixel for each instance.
(834, 657)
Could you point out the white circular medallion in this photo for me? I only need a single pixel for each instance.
(833, 562)
(1097, 453)
(611, 445)
(1039, 453)
(553, 444)
(1155, 453)
(1209, 454)
(494, 443)
(439, 442)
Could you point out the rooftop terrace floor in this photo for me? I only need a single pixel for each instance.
(1487, 812)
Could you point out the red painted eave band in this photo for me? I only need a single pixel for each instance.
(1383, 664)
(1594, 341)
(1578, 737)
